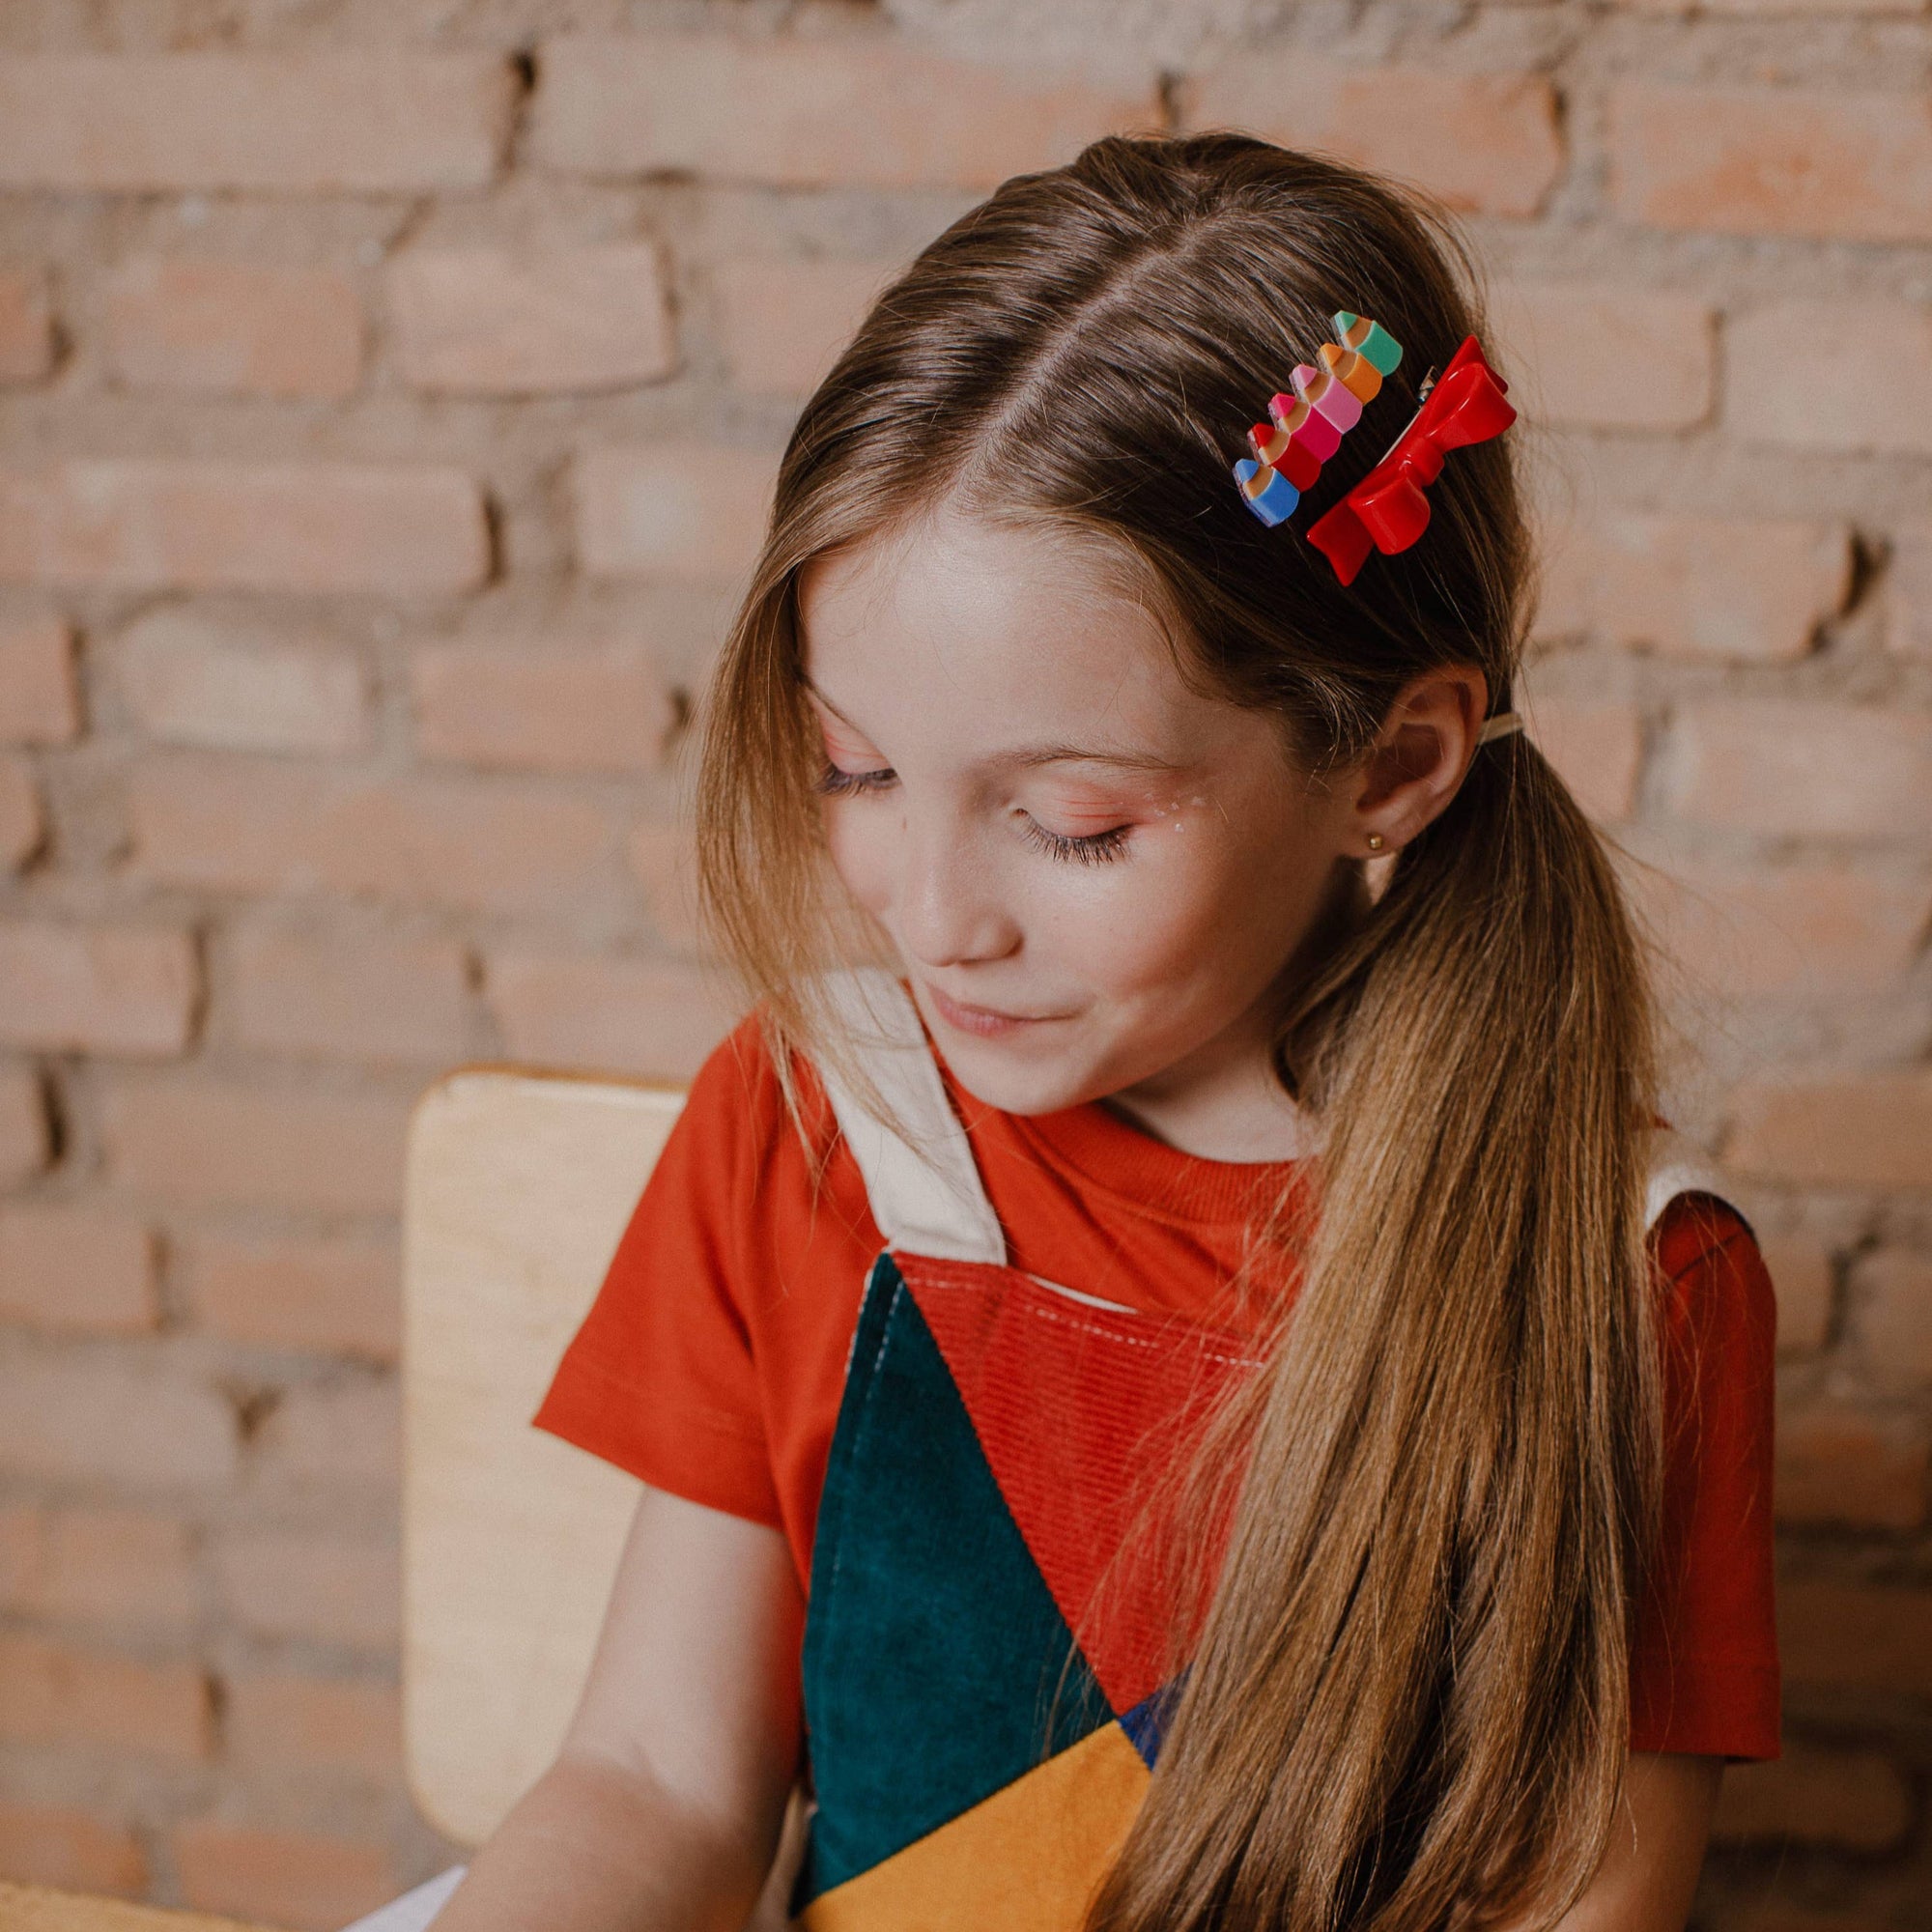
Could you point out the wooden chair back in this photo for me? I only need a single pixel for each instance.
(516, 1188)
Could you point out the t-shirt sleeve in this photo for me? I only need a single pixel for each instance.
(660, 1378)
(1704, 1671)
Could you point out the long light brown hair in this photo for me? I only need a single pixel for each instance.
(1408, 1704)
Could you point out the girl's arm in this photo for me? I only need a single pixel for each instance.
(665, 1804)
(1650, 1869)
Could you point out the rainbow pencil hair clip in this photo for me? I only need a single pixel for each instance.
(1305, 429)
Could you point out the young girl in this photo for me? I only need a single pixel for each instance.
(1178, 1382)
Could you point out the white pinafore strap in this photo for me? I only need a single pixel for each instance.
(922, 1182)
(1677, 1166)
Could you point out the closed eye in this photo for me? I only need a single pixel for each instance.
(1091, 850)
(1095, 848)
(836, 782)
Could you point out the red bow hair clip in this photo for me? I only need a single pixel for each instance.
(1387, 510)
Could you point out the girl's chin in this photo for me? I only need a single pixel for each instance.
(1003, 1074)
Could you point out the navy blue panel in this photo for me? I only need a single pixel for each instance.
(1145, 1725)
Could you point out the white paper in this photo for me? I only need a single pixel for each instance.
(414, 1910)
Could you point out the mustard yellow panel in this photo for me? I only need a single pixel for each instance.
(1026, 1860)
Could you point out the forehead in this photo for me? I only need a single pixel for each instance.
(979, 633)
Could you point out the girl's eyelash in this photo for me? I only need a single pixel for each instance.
(1094, 849)
(834, 782)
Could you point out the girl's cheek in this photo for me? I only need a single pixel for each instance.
(859, 854)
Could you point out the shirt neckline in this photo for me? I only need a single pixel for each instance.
(1125, 1162)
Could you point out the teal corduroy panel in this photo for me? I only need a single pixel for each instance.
(937, 1666)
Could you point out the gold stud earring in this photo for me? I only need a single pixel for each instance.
(1376, 841)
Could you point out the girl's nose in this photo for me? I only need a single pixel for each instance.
(950, 908)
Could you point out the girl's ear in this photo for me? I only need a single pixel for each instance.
(1419, 757)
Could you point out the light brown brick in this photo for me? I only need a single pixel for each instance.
(805, 113)
(232, 328)
(140, 1423)
(337, 1296)
(613, 1015)
(54, 1692)
(76, 1266)
(1483, 141)
(1780, 389)
(1800, 1271)
(24, 1124)
(1896, 1319)
(1808, 768)
(74, 1850)
(332, 1438)
(98, 1566)
(1907, 592)
(191, 680)
(484, 321)
(1773, 160)
(117, 989)
(664, 862)
(1856, 1801)
(1746, 591)
(276, 1719)
(1771, 9)
(1817, 932)
(1839, 1464)
(360, 997)
(154, 523)
(26, 327)
(40, 699)
(376, 121)
(686, 512)
(576, 708)
(1865, 1131)
(312, 1585)
(1851, 1637)
(1606, 358)
(1597, 749)
(22, 827)
(781, 323)
(202, 1143)
(299, 1879)
(254, 826)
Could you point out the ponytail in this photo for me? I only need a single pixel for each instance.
(1409, 1704)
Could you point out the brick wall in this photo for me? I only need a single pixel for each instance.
(388, 390)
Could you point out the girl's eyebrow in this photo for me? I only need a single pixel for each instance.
(1060, 755)
(1027, 757)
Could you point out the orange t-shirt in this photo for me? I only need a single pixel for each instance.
(713, 1361)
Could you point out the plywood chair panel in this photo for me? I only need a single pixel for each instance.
(30, 1907)
(516, 1188)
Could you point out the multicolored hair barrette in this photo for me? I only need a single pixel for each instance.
(1387, 510)
(1306, 429)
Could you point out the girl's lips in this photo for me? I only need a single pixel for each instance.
(983, 1021)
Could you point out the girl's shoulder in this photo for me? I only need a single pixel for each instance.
(1719, 1304)
(776, 1182)
(1694, 1228)
(737, 1093)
